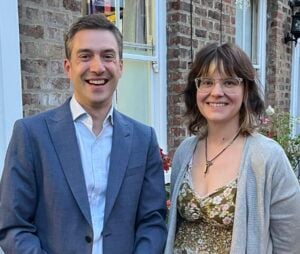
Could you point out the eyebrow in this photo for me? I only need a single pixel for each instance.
(83, 50)
(89, 51)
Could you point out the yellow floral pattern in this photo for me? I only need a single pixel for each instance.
(207, 222)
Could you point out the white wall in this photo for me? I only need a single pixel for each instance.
(10, 73)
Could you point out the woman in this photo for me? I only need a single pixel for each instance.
(233, 190)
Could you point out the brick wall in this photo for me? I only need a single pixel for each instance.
(203, 19)
(278, 83)
(189, 27)
(42, 26)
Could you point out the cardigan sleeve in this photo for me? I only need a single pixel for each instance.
(285, 207)
(181, 157)
(175, 169)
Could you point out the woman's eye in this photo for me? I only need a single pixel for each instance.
(229, 82)
(207, 83)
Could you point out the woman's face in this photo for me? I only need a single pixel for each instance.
(220, 98)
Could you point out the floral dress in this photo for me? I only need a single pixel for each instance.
(206, 226)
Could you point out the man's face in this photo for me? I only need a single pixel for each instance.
(94, 67)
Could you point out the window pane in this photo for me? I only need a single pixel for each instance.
(138, 26)
(297, 71)
(134, 90)
(136, 22)
(254, 32)
(106, 7)
(247, 30)
(239, 27)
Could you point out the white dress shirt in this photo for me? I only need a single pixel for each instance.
(95, 157)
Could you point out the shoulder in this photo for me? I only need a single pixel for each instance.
(40, 117)
(183, 155)
(186, 147)
(265, 156)
(139, 131)
(37, 123)
(57, 113)
(264, 147)
(125, 120)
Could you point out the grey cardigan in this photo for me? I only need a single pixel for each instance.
(267, 213)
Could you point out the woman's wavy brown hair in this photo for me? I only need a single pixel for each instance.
(228, 59)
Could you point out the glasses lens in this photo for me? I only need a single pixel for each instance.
(229, 85)
(205, 84)
(230, 82)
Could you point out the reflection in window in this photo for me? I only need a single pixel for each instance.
(136, 21)
(138, 26)
(247, 29)
(107, 7)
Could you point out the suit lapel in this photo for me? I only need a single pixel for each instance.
(62, 132)
(121, 148)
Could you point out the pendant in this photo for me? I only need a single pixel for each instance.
(207, 165)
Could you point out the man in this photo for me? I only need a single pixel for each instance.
(83, 178)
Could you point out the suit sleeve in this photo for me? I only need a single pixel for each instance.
(151, 227)
(18, 196)
(285, 208)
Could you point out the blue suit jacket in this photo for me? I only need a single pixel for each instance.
(43, 199)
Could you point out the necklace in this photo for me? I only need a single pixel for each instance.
(209, 163)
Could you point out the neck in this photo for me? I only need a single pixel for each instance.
(221, 134)
(98, 114)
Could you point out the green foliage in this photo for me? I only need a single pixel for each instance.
(279, 126)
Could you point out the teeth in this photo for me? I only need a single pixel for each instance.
(97, 82)
(217, 104)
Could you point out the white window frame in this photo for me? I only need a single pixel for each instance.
(158, 114)
(295, 85)
(261, 40)
(10, 73)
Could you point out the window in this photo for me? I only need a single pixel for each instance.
(135, 20)
(251, 34)
(247, 29)
(138, 27)
(295, 85)
(141, 92)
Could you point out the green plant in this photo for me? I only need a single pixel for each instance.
(279, 126)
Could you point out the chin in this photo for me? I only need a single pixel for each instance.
(217, 121)
(222, 120)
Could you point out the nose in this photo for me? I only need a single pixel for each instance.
(217, 89)
(97, 65)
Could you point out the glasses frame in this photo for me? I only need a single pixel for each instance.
(197, 84)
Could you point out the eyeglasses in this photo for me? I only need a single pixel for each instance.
(229, 85)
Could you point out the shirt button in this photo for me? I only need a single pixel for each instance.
(88, 239)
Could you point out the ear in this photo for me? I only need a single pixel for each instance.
(121, 67)
(67, 67)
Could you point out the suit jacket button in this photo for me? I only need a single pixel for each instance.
(88, 239)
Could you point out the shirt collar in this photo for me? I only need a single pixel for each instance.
(78, 112)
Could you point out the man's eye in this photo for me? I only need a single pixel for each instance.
(109, 57)
(84, 56)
